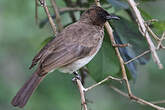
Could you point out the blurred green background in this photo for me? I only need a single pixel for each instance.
(20, 40)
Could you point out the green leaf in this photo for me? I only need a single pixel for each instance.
(105, 62)
(129, 33)
(46, 41)
(159, 27)
(145, 15)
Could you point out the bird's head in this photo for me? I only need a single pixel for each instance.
(97, 16)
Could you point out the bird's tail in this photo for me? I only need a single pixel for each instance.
(26, 91)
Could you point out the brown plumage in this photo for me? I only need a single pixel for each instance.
(71, 49)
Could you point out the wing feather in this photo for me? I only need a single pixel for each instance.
(64, 57)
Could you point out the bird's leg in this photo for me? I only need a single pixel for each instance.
(77, 79)
(77, 76)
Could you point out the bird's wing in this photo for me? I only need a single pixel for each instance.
(64, 56)
(49, 47)
(55, 43)
(41, 53)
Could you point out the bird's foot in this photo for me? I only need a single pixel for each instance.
(77, 76)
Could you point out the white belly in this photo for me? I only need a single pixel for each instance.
(80, 63)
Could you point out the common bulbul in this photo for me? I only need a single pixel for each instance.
(70, 50)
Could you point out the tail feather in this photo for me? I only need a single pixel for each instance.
(26, 91)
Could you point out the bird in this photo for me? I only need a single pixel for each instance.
(72, 48)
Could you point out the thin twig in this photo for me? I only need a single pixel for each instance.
(102, 81)
(119, 91)
(152, 33)
(81, 89)
(68, 9)
(142, 54)
(161, 39)
(70, 3)
(158, 102)
(135, 58)
(148, 22)
(58, 18)
(145, 32)
(136, 99)
(159, 46)
(110, 32)
(43, 4)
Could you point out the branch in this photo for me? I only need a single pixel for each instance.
(130, 95)
(135, 58)
(70, 4)
(160, 41)
(101, 82)
(110, 32)
(136, 99)
(68, 9)
(158, 102)
(58, 18)
(43, 4)
(145, 32)
(150, 30)
(159, 46)
(81, 89)
(65, 10)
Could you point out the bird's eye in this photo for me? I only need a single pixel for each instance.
(103, 14)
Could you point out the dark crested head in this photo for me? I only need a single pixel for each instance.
(97, 16)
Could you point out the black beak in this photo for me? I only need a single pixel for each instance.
(109, 17)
